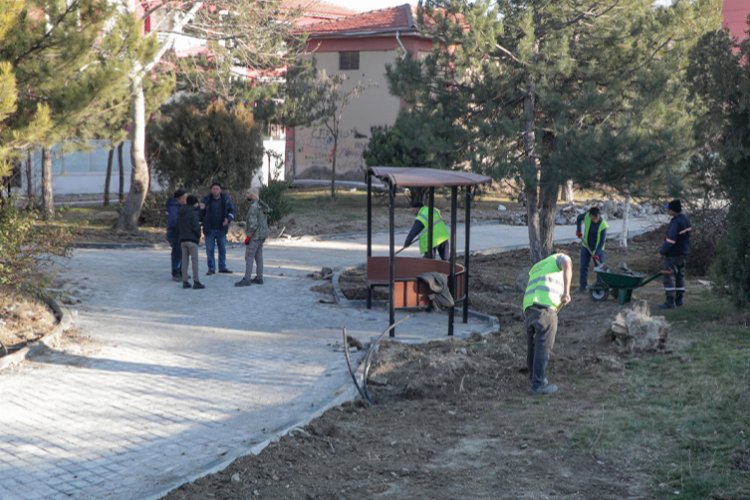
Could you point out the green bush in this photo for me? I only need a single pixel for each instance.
(274, 195)
(25, 243)
(709, 230)
(195, 144)
(732, 266)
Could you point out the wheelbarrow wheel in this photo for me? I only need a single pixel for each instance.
(599, 294)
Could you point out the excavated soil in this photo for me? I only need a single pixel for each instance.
(453, 419)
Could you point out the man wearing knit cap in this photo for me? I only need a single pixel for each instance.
(674, 252)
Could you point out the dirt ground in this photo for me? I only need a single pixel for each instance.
(453, 419)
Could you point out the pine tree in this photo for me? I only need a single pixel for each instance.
(720, 86)
(550, 91)
(14, 135)
(56, 54)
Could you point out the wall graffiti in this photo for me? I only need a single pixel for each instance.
(314, 151)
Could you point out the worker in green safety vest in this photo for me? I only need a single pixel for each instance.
(593, 235)
(440, 235)
(547, 292)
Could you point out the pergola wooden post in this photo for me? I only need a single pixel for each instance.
(417, 177)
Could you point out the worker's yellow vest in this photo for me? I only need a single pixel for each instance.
(586, 226)
(439, 231)
(546, 284)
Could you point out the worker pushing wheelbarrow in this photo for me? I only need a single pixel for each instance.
(620, 283)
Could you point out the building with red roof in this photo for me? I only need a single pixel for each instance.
(358, 46)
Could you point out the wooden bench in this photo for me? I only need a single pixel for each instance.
(408, 291)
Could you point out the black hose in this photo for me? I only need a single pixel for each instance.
(371, 350)
(351, 372)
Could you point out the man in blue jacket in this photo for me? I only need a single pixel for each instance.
(217, 211)
(173, 209)
(674, 252)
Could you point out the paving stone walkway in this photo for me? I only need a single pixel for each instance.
(160, 385)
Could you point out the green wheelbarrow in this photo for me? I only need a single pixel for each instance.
(619, 284)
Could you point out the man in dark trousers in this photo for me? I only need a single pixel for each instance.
(174, 203)
(217, 212)
(547, 292)
(593, 235)
(674, 252)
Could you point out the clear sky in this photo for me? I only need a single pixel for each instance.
(364, 5)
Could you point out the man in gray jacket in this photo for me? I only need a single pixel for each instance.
(257, 231)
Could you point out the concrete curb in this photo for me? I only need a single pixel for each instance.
(64, 322)
(105, 246)
(346, 393)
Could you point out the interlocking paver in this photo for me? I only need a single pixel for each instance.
(176, 382)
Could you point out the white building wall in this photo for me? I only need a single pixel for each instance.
(79, 172)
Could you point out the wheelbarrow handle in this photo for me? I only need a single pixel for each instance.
(651, 278)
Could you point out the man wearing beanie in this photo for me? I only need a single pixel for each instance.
(674, 251)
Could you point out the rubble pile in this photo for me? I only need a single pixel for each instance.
(635, 330)
(566, 215)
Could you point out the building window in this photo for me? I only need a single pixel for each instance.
(348, 60)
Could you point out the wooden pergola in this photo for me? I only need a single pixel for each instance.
(424, 178)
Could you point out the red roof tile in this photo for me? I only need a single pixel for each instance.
(318, 9)
(401, 18)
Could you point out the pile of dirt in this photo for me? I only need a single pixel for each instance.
(453, 419)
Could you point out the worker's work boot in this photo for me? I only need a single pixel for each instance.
(669, 304)
(678, 299)
(545, 389)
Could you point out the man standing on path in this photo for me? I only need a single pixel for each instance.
(173, 236)
(257, 232)
(593, 236)
(674, 252)
(547, 292)
(217, 213)
(189, 228)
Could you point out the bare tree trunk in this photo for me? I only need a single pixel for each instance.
(29, 182)
(121, 174)
(131, 209)
(625, 222)
(48, 205)
(108, 177)
(531, 183)
(567, 193)
(548, 204)
(532, 216)
(333, 166)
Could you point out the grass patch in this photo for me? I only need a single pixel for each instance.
(683, 420)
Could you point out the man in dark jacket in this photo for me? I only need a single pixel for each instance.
(189, 228)
(674, 251)
(173, 209)
(217, 212)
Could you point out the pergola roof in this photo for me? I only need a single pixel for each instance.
(426, 177)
